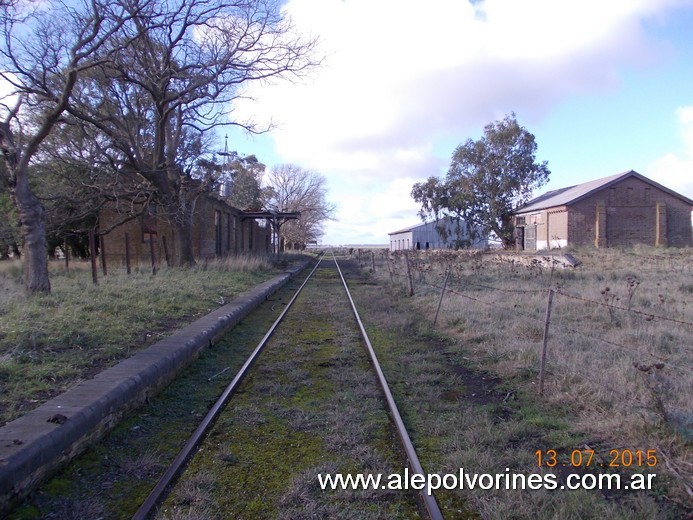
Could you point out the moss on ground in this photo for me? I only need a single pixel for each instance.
(117, 474)
(311, 406)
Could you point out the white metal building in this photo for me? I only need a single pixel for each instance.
(427, 236)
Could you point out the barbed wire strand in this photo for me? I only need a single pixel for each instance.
(641, 313)
(556, 327)
(561, 329)
(568, 295)
(533, 291)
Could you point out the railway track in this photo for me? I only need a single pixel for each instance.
(315, 402)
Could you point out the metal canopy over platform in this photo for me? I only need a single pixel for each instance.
(276, 219)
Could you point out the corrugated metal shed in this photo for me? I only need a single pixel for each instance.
(428, 236)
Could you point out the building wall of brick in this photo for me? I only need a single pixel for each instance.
(556, 228)
(217, 231)
(549, 228)
(628, 210)
(627, 213)
(584, 222)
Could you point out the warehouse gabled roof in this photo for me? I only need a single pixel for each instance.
(572, 194)
(405, 230)
(420, 225)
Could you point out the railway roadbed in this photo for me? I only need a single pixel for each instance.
(310, 406)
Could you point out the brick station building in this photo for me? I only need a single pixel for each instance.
(218, 230)
(620, 210)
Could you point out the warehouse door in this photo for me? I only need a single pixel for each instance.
(530, 238)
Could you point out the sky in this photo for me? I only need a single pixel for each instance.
(604, 86)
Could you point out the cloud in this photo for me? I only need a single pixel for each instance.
(396, 74)
(369, 219)
(400, 78)
(675, 170)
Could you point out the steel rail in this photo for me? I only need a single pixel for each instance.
(158, 492)
(429, 499)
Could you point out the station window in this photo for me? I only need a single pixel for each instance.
(228, 231)
(217, 232)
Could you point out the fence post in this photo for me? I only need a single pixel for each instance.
(92, 257)
(410, 281)
(151, 252)
(542, 366)
(127, 253)
(440, 301)
(103, 255)
(168, 260)
(373, 261)
(67, 256)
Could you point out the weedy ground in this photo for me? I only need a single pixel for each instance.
(619, 363)
(466, 388)
(49, 342)
(310, 406)
(112, 478)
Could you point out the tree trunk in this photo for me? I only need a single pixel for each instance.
(184, 256)
(506, 232)
(32, 225)
(182, 225)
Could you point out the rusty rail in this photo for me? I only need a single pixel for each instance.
(159, 491)
(429, 499)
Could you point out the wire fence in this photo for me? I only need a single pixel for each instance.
(572, 332)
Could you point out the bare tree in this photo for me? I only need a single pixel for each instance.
(293, 189)
(171, 79)
(74, 176)
(43, 50)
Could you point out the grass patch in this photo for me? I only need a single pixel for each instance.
(48, 342)
(615, 379)
(310, 406)
(115, 475)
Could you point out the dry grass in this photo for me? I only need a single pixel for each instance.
(620, 353)
(48, 342)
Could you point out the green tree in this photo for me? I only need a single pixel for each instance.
(242, 182)
(74, 176)
(487, 180)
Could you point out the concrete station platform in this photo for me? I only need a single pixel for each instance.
(35, 445)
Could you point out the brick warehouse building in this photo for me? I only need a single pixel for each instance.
(218, 230)
(620, 210)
